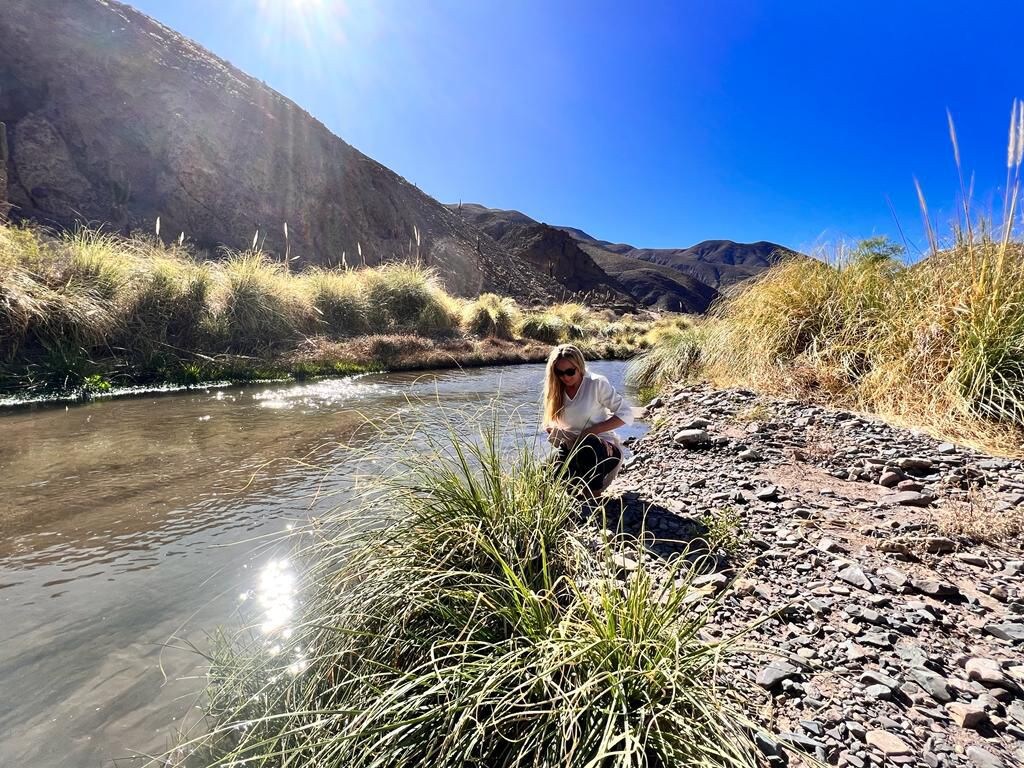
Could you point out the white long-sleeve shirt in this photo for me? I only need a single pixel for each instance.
(596, 400)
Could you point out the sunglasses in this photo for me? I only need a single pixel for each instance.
(565, 373)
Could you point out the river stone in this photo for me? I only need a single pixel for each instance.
(854, 574)
(987, 672)
(1011, 631)
(940, 590)
(776, 672)
(878, 692)
(982, 758)
(887, 742)
(875, 677)
(967, 715)
(890, 478)
(894, 576)
(691, 437)
(907, 499)
(933, 683)
(623, 563)
(695, 422)
(914, 464)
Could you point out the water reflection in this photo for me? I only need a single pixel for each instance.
(128, 523)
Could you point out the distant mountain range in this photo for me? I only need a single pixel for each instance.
(110, 118)
(677, 279)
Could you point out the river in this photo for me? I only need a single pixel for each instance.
(133, 528)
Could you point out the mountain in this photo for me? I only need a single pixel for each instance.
(580, 263)
(113, 119)
(548, 250)
(717, 263)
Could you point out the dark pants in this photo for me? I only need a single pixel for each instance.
(588, 462)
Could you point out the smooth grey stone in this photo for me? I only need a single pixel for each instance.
(776, 672)
(1011, 631)
(691, 437)
(933, 683)
(982, 758)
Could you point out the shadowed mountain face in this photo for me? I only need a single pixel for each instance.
(113, 119)
(717, 263)
(679, 280)
(547, 250)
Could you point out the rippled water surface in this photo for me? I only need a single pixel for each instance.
(133, 528)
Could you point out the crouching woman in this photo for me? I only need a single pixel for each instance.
(581, 412)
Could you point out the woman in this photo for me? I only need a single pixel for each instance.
(580, 411)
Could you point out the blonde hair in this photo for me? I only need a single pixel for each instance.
(553, 387)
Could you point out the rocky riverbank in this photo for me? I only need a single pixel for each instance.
(889, 564)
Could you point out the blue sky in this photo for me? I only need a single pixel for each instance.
(655, 123)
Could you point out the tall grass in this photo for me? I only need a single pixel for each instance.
(339, 300)
(403, 297)
(491, 315)
(259, 303)
(461, 618)
(674, 356)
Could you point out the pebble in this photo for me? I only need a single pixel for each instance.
(1010, 631)
(775, 673)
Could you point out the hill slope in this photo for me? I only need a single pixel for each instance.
(114, 119)
(580, 263)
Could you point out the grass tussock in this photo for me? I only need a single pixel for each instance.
(674, 355)
(491, 316)
(462, 618)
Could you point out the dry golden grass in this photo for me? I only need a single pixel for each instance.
(979, 519)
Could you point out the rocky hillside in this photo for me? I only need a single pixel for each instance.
(548, 250)
(878, 569)
(111, 118)
(579, 264)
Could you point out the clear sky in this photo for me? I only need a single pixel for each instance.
(654, 123)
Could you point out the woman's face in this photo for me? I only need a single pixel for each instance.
(567, 372)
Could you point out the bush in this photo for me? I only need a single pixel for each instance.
(490, 316)
(543, 326)
(460, 619)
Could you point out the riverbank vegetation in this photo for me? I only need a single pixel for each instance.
(937, 342)
(90, 309)
(464, 616)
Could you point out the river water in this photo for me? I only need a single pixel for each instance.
(133, 528)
